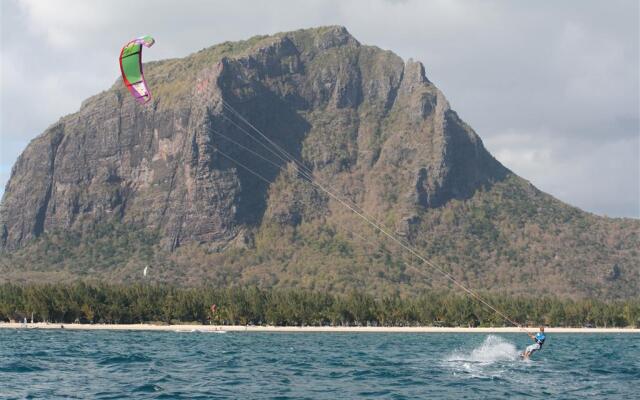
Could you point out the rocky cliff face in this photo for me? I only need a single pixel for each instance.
(179, 185)
(358, 116)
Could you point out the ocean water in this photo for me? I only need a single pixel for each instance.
(173, 365)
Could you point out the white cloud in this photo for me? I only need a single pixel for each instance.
(67, 23)
(573, 170)
(520, 152)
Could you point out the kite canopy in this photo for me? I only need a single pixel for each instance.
(131, 68)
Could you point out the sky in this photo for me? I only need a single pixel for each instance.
(552, 88)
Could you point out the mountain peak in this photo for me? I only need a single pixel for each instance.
(348, 110)
(324, 37)
(362, 120)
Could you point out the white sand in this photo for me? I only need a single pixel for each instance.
(240, 328)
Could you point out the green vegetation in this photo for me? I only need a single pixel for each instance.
(486, 242)
(103, 250)
(81, 302)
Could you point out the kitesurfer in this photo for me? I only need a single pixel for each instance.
(539, 339)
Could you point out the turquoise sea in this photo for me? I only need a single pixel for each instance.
(173, 365)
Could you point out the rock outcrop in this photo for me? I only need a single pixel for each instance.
(356, 115)
(181, 184)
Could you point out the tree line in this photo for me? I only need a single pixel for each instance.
(141, 303)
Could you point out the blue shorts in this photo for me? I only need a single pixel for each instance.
(533, 347)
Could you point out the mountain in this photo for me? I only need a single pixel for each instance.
(182, 185)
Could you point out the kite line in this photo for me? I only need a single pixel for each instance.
(307, 176)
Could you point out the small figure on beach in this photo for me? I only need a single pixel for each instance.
(539, 339)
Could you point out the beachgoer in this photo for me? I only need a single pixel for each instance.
(539, 339)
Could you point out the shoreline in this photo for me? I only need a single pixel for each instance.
(298, 329)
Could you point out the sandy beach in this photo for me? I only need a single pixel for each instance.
(305, 329)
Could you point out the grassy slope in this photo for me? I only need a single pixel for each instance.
(502, 239)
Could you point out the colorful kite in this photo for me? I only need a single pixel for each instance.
(131, 68)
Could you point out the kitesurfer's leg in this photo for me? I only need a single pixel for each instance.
(529, 350)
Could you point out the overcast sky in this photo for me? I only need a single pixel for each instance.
(551, 87)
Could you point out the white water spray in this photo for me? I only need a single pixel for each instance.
(493, 349)
(486, 360)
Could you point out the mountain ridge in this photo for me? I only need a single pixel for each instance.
(358, 117)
